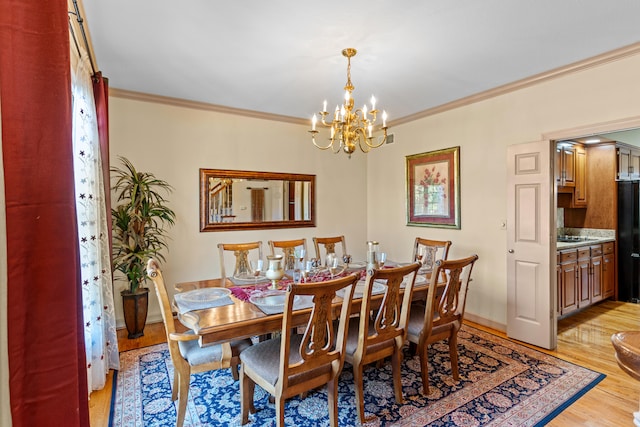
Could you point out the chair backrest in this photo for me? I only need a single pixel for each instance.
(431, 251)
(154, 273)
(241, 251)
(289, 249)
(447, 304)
(329, 244)
(322, 346)
(390, 317)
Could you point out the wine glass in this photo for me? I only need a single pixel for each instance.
(257, 265)
(307, 269)
(300, 255)
(382, 258)
(334, 266)
(330, 258)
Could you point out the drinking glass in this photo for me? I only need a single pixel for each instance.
(382, 258)
(257, 265)
(330, 259)
(306, 271)
(333, 265)
(300, 255)
(297, 274)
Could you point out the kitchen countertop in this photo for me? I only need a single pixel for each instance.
(592, 241)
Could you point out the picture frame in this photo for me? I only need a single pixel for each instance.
(433, 188)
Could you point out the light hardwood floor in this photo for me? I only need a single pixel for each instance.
(584, 339)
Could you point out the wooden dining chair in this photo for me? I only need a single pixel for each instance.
(186, 354)
(427, 251)
(379, 332)
(291, 364)
(441, 316)
(241, 252)
(329, 245)
(288, 248)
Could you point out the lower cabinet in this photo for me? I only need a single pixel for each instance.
(608, 270)
(568, 283)
(585, 276)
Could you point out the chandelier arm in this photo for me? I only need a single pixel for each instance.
(370, 145)
(313, 139)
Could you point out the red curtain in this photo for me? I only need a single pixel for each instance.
(101, 96)
(47, 372)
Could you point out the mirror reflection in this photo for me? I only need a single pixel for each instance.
(253, 200)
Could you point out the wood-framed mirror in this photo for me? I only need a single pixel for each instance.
(249, 200)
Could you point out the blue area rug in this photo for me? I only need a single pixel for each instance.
(501, 384)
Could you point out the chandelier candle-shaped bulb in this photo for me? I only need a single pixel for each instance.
(350, 127)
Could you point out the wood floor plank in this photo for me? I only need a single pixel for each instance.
(583, 339)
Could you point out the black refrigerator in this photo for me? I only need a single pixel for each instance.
(629, 241)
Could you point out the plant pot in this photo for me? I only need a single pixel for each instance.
(135, 311)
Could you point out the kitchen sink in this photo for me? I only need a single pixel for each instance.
(574, 239)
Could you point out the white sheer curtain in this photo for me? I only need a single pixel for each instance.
(100, 336)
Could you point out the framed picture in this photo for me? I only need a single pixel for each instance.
(433, 188)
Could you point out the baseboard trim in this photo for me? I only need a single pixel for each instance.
(486, 322)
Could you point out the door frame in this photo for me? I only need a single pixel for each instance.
(632, 122)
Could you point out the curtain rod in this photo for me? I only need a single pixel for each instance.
(84, 34)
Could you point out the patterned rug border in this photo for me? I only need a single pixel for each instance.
(549, 401)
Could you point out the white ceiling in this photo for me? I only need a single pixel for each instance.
(284, 57)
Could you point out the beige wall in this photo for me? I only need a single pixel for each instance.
(483, 131)
(364, 198)
(174, 142)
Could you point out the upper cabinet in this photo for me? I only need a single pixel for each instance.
(565, 165)
(571, 174)
(628, 163)
(580, 191)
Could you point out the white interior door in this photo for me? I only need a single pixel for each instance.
(530, 300)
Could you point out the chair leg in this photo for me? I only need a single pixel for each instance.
(359, 386)
(396, 363)
(176, 384)
(185, 378)
(453, 356)
(280, 411)
(332, 394)
(424, 368)
(247, 387)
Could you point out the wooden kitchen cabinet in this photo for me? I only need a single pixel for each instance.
(608, 270)
(595, 278)
(628, 163)
(568, 281)
(580, 191)
(585, 275)
(565, 165)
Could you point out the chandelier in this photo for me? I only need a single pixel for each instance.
(349, 127)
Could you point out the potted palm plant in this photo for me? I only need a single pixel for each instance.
(139, 222)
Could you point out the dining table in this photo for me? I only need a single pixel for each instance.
(232, 316)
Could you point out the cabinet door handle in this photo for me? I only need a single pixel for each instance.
(511, 251)
(635, 255)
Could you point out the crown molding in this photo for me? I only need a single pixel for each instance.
(177, 102)
(595, 61)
